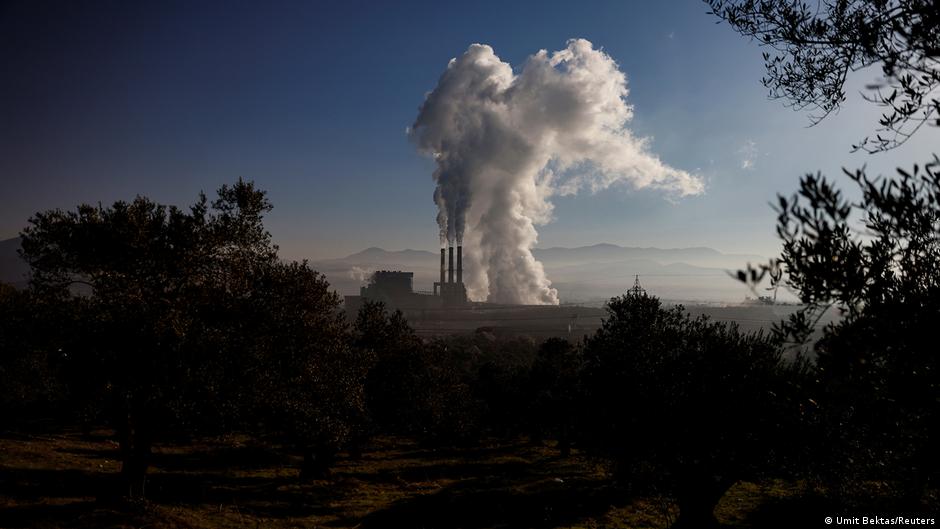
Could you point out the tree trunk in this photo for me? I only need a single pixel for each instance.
(135, 445)
(316, 464)
(697, 500)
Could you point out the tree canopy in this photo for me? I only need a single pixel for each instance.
(877, 260)
(686, 406)
(816, 45)
(190, 323)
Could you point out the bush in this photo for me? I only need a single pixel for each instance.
(686, 406)
(878, 371)
(554, 391)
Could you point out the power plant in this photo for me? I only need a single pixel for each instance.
(396, 288)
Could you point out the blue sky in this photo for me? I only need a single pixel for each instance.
(311, 100)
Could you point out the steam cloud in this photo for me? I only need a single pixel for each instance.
(505, 143)
(359, 274)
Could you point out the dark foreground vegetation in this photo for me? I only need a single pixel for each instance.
(165, 367)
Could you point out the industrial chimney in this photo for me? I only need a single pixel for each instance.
(443, 251)
(450, 265)
(460, 264)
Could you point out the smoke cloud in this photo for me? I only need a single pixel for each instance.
(505, 143)
(360, 274)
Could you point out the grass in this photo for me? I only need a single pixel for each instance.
(63, 480)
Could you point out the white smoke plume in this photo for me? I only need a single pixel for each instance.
(505, 143)
(360, 274)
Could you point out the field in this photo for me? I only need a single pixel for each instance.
(66, 479)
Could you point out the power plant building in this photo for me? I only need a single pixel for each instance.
(396, 289)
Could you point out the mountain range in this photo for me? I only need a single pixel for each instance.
(560, 256)
(582, 274)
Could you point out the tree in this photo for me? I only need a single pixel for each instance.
(149, 277)
(684, 406)
(419, 388)
(397, 384)
(452, 412)
(307, 385)
(816, 45)
(555, 391)
(33, 352)
(878, 261)
(499, 374)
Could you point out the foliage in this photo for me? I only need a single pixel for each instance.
(499, 376)
(554, 386)
(448, 391)
(191, 324)
(31, 355)
(879, 376)
(397, 382)
(686, 406)
(476, 388)
(816, 45)
(307, 383)
(450, 413)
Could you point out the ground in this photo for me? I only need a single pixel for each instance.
(62, 480)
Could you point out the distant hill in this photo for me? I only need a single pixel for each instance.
(13, 269)
(630, 267)
(380, 256)
(560, 256)
(605, 253)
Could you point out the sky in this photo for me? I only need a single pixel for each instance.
(312, 100)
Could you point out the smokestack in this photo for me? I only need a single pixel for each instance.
(442, 270)
(450, 266)
(460, 264)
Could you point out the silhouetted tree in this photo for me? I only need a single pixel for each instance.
(449, 391)
(499, 375)
(817, 44)
(554, 386)
(396, 387)
(450, 413)
(150, 277)
(32, 354)
(879, 393)
(308, 383)
(686, 406)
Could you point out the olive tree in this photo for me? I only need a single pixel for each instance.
(190, 322)
(877, 261)
(814, 46)
(686, 407)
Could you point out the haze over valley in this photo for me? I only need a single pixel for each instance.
(587, 275)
